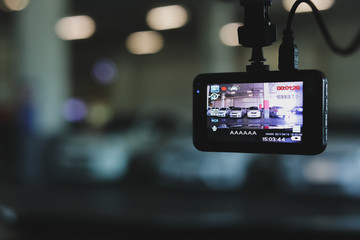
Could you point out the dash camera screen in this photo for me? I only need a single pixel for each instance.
(255, 112)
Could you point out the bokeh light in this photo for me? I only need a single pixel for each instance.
(228, 34)
(145, 42)
(15, 5)
(99, 114)
(75, 110)
(303, 7)
(104, 71)
(320, 171)
(75, 27)
(167, 17)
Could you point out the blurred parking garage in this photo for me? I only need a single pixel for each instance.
(253, 100)
(95, 118)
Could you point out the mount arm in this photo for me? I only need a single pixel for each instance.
(257, 31)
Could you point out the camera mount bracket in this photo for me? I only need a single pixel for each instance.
(257, 32)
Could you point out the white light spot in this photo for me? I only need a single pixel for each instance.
(228, 34)
(168, 17)
(16, 5)
(146, 42)
(303, 7)
(75, 27)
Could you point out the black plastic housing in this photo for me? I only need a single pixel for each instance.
(315, 99)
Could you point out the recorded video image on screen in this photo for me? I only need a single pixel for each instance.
(258, 112)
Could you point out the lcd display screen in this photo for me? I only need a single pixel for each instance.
(255, 112)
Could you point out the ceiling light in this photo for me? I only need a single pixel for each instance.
(145, 42)
(303, 7)
(168, 17)
(75, 27)
(228, 34)
(16, 5)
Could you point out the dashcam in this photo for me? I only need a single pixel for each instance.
(261, 112)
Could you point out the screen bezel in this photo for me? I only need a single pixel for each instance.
(313, 140)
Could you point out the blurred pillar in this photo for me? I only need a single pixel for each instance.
(42, 65)
(223, 98)
(266, 100)
(216, 57)
(42, 73)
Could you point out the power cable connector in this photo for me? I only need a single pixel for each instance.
(288, 52)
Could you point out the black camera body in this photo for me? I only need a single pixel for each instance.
(261, 112)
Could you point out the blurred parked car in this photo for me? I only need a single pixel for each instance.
(85, 158)
(213, 112)
(254, 112)
(237, 112)
(180, 165)
(297, 110)
(334, 172)
(277, 111)
(224, 112)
